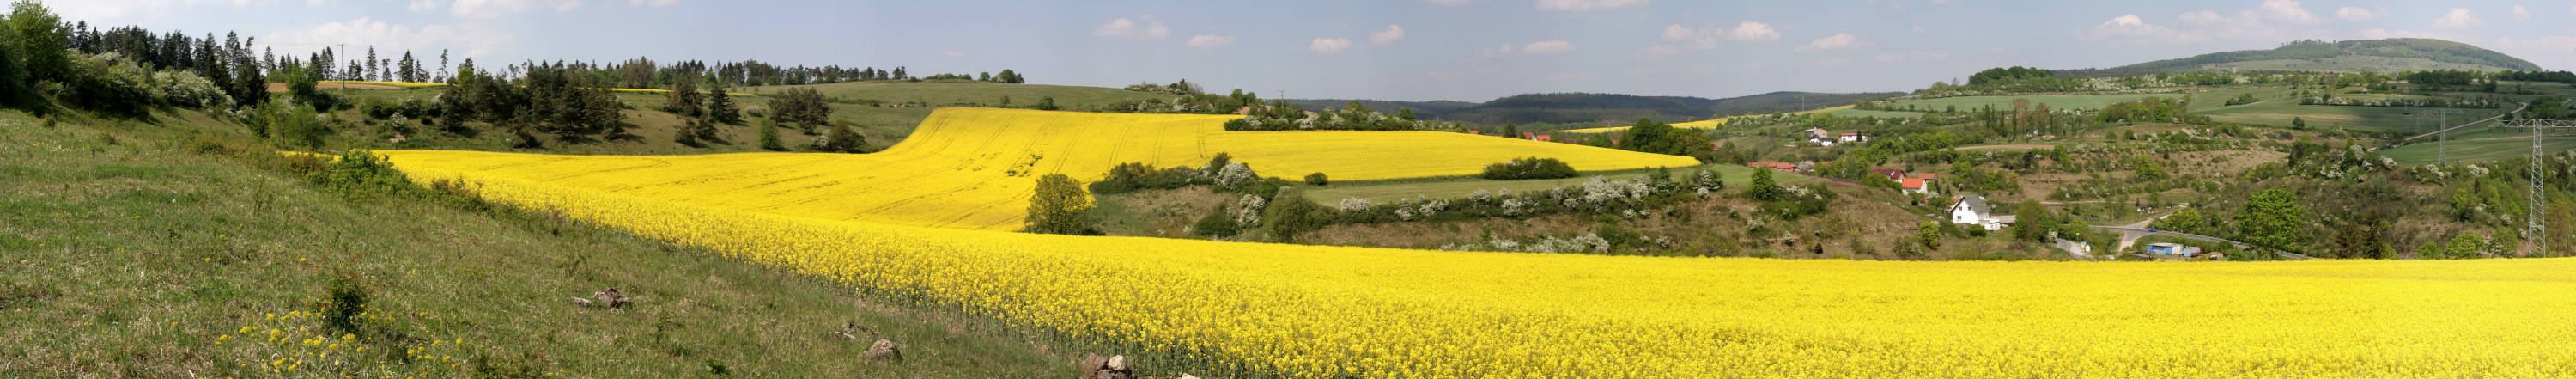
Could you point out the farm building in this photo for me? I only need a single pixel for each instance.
(1972, 210)
(1537, 137)
(1854, 137)
(1892, 175)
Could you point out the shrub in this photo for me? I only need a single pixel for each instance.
(1529, 168)
(1060, 207)
(1133, 176)
(1291, 215)
(1317, 179)
(769, 137)
(1219, 224)
(345, 300)
(110, 83)
(841, 139)
(186, 89)
(803, 106)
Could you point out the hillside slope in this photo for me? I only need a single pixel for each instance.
(171, 253)
(1276, 307)
(2380, 55)
(974, 168)
(1602, 107)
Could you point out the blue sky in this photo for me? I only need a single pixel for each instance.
(1471, 50)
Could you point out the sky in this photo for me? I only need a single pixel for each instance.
(1467, 50)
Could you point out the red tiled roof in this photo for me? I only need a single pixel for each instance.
(1913, 183)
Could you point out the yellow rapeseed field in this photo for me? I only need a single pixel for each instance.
(975, 168)
(1702, 124)
(1329, 312)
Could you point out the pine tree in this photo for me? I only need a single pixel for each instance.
(372, 70)
(720, 106)
(683, 100)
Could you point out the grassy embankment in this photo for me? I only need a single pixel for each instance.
(137, 251)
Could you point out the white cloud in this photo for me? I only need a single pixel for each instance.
(1548, 47)
(490, 8)
(1142, 27)
(1912, 56)
(2521, 14)
(470, 40)
(1918, 29)
(1329, 45)
(1391, 34)
(1833, 62)
(1683, 39)
(1588, 5)
(1207, 40)
(1708, 36)
(2358, 14)
(2287, 10)
(1836, 41)
(1497, 51)
(2130, 27)
(1449, 2)
(952, 53)
(103, 12)
(1658, 51)
(2459, 18)
(651, 3)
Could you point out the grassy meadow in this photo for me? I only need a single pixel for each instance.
(136, 250)
(1966, 103)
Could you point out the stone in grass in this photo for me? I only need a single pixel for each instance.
(1114, 367)
(610, 298)
(883, 351)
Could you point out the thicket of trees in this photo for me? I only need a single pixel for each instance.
(1529, 168)
(551, 99)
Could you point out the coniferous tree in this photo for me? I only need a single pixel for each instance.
(683, 100)
(372, 71)
(720, 106)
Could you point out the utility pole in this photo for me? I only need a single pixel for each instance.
(344, 84)
(2539, 172)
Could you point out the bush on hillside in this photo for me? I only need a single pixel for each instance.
(1133, 176)
(1059, 206)
(1529, 168)
(1318, 179)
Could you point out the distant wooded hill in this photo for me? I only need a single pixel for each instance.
(1601, 107)
(2379, 55)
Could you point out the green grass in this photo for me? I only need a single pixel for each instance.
(2475, 150)
(2216, 98)
(2398, 119)
(971, 93)
(1966, 103)
(132, 258)
(1735, 176)
(1869, 113)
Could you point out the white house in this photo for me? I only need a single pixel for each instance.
(1972, 210)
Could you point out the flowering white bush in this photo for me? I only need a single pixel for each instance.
(1353, 204)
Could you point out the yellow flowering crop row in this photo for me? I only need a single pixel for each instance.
(1324, 312)
(975, 168)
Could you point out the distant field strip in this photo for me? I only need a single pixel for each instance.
(975, 168)
(1968, 103)
(1277, 310)
(1709, 123)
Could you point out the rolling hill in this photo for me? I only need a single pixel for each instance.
(1600, 107)
(973, 168)
(2380, 55)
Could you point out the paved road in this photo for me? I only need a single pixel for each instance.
(2515, 109)
(2129, 234)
